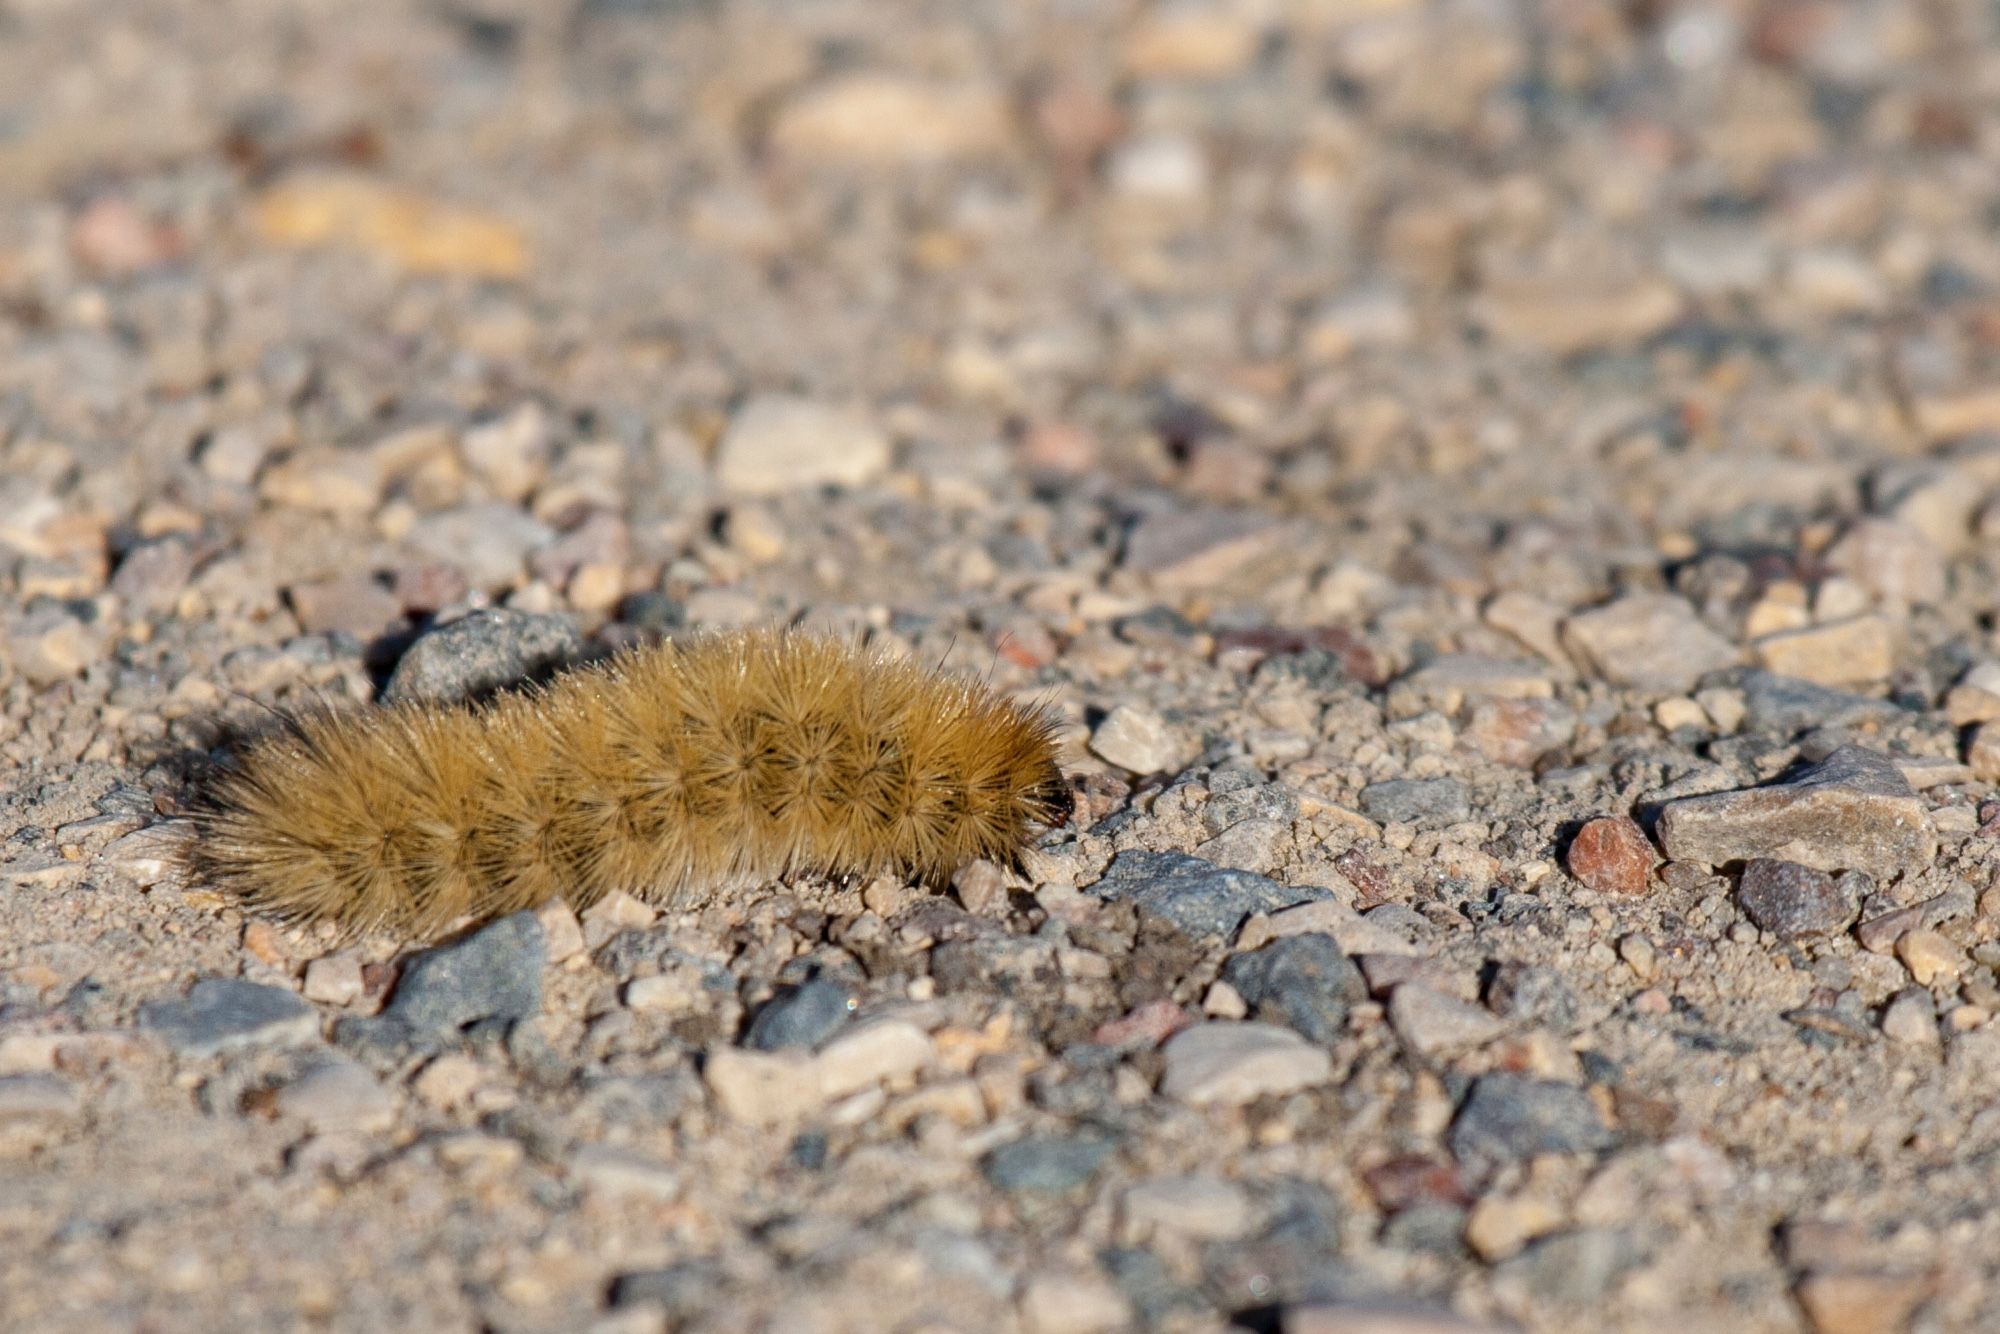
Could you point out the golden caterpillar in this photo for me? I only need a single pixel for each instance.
(669, 772)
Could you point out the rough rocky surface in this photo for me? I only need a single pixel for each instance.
(1392, 439)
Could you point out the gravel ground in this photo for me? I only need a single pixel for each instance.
(1504, 499)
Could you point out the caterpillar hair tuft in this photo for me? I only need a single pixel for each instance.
(672, 772)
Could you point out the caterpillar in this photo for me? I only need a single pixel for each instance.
(670, 772)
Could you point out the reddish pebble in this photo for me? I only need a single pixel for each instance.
(1146, 1025)
(1612, 855)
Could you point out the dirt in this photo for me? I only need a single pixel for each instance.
(1390, 437)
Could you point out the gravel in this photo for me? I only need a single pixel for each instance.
(1470, 485)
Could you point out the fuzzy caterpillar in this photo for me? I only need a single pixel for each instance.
(670, 772)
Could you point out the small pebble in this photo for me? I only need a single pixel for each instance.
(339, 1096)
(1217, 1064)
(334, 979)
(1794, 902)
(1612, 855)
(482, 651)
(1138, 740)
(778, 443)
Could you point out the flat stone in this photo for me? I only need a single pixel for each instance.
(1910, 1018)
(1788, 705)
(1854, 651)
(874, 119)
(344, 483)
(1219, 1064)
(1509, 1117)
(1138, 740)
(1447, 682)
(1853, 810)
(870, 1054)
(339, 1096)
(1518, 732)
(1892, 560)
(1302, 981)
(353, 603)
(482, 651)
(1207, 1208)
(1430, 1023)
(1418, 801)
(1045, 1164)
(334, 979)
(493, 974)
(1651, 641)
(1202, 900)
(762, 1088)
(222, 1014)
(488, 543)
(1794, 902)
(1612, 855)
(779, 442)
(623, 1174)
(1355, 933)
(1183, 550)
(803, 1017)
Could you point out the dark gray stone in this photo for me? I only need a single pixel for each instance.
(1793, 902)
(1045, 1164)
(1303, 982)
(1508, 1117)
(219, 1014)
(1417, 801)
(493, 974)
(1853, 810)
(482, 652)
(1787, 705)
(804, 1016)
(1201, 899)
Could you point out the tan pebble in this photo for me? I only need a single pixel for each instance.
(1930, 957)
(1499, 1227)
(334, 979)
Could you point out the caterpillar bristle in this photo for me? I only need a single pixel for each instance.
(672, 773)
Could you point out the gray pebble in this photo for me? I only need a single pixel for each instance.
(1045, 1164)
(805, 1016)
(494, 973)
(1509, 1117)
(1792, 901)
(1303, 982)
(1852, 810)
(480, 652)
(1199, 898)
(1417, 801)
(1788, 705)
(220, 1014)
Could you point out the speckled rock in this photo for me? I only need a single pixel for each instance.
(482, 651)
(1197, 897)
(1852, 810)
